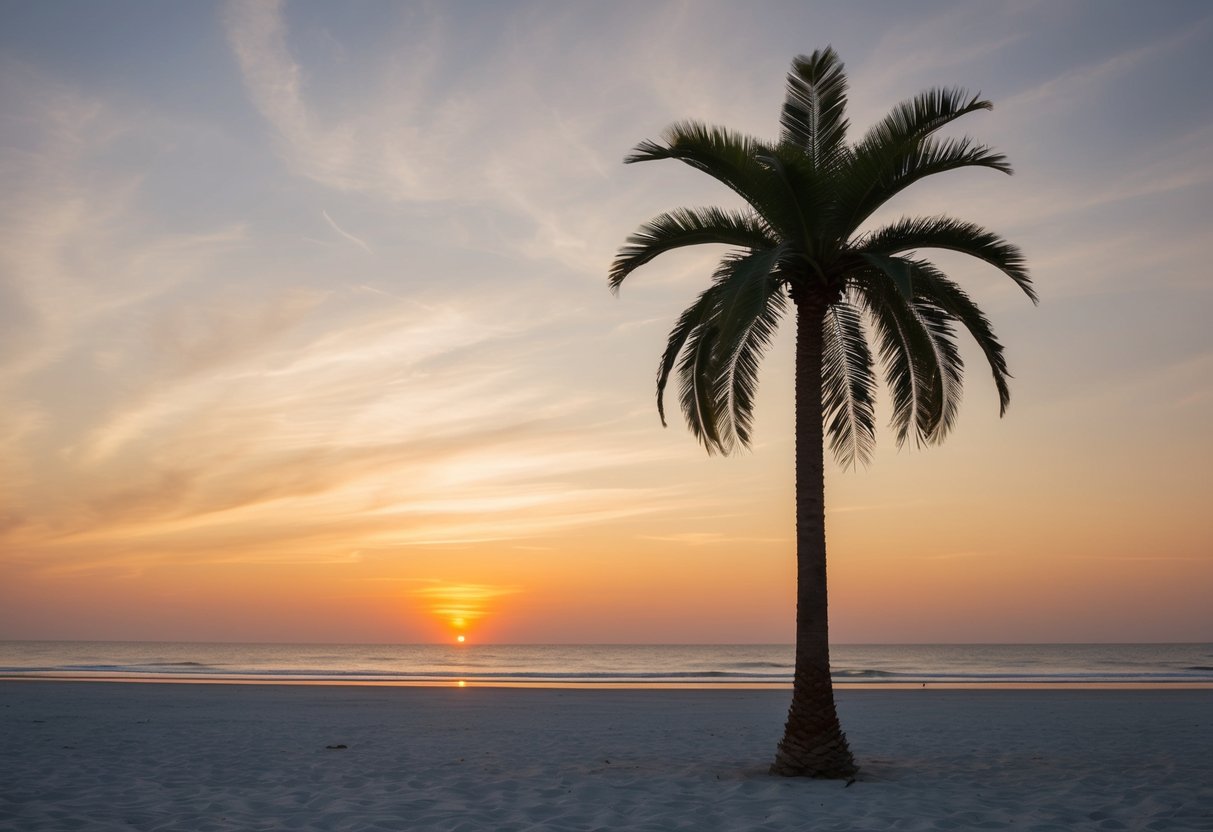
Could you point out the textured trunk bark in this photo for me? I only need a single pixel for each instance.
(813, 744)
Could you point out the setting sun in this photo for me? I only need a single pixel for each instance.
(460, 638)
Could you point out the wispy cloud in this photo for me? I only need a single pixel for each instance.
(419, 136)
(963, 555)
(710, 538)
(908, 53)
(398, 148)
(347, 235)
(849, 509)
(213, 400)
(1060, 91)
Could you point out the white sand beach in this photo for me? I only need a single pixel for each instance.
(99, 756)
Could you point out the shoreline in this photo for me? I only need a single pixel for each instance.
(203, 757)
(177, 679)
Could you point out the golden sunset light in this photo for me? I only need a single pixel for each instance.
(461, 604)
(296, 357)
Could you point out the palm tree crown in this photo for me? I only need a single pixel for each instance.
(807, 198)
(802, 237)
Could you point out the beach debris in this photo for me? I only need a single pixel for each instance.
(337, 747)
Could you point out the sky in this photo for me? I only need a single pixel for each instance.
(305, 332)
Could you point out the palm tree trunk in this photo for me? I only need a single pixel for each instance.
(813, 744)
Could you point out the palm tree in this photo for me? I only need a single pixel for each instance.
(802, 237)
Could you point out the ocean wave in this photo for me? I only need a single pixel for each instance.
(570, 665)
(864, 674)
(760, 672)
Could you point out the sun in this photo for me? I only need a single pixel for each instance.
(461, 638)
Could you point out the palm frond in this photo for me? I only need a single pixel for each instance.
(697, 374)
(897, 269)
(848, 386)
(947, 370)
(920, 116)
(688, 227)
(726, 155)
(750, 305)
(742, 376)
(953, 235)
(875, 177)
(945, 294)
(908, 357)
(803, 198)
(692, 319)
(743, 285)
(814, 111)
(721, 338)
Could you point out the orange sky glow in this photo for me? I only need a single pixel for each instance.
(305, 333)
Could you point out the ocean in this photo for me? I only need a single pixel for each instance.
(741, 665)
